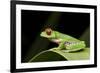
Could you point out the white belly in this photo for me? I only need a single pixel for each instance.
(56, 40)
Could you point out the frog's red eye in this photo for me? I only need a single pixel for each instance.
(48, 32)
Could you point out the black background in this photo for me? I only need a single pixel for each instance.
(33, 22)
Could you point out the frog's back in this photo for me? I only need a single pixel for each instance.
(65, 37)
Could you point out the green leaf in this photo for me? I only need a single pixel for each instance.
(60, 55)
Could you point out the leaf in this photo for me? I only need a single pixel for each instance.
(60, 55)
(80, 55)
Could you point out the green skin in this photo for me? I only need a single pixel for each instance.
(66, 43)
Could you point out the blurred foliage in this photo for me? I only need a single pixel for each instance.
(86, 37)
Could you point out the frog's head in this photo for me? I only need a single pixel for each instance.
(47, 33)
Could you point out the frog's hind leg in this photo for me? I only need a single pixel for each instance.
(75, 47)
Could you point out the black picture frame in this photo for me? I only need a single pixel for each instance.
(13, 35)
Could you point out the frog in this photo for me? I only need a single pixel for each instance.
(65, 42)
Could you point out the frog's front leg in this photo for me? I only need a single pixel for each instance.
(61, 46)
(75, 47)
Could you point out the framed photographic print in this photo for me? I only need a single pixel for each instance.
(51, 36)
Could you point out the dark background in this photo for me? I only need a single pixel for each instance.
(34, 22)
